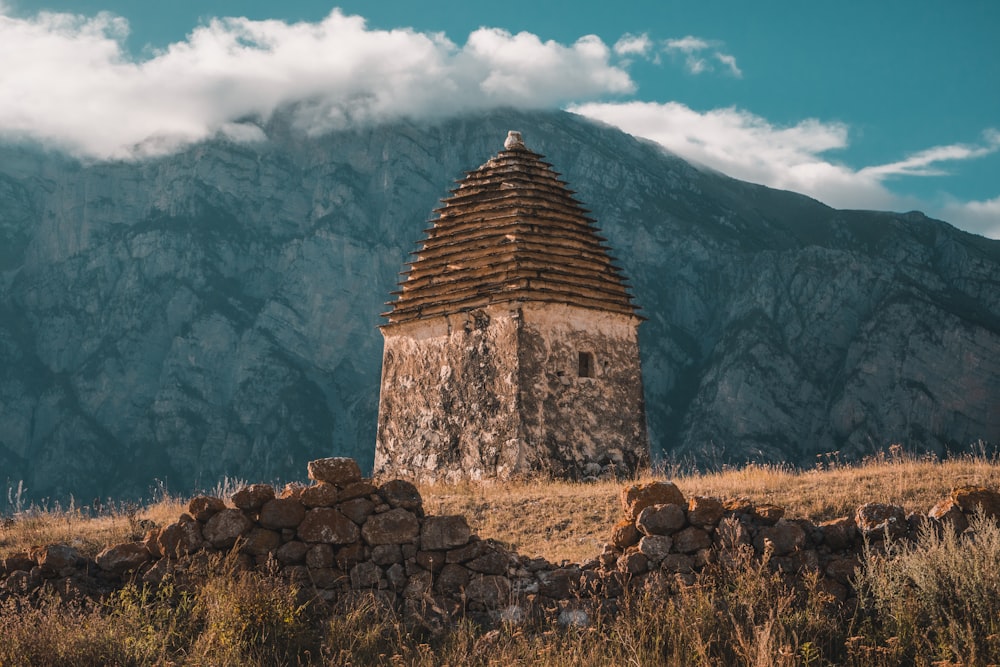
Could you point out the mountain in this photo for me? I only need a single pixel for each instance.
(214, 313)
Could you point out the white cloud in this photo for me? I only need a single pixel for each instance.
(748, 147)
(979, 217)
(633, 45)
(923, 163)
(76, 87)
(698, 55)
(730, 62)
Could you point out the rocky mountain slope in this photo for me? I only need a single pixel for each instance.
(215, 312)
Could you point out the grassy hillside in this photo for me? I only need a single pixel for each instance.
(933, 603)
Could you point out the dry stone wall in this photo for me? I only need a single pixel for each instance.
(345, 534)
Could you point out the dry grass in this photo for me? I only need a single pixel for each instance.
(84, 530)
(570, 521)
(935, 602)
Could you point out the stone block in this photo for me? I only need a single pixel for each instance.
(704, 511)
(625, 534)
(691, 539)
(319, 495)
(282, 513)
(397, 526)
(638, 497)
(327, 525)
(292, 553)
(225, 527)
(780, 539)
(122, 558)
(319, 556)
(876, 520)
(440, 533)
(661, 519)
(839, 534)
(335, 470)
(203, 508)
(655, 547)
(260, 541)
(253, 497)
(403, 494)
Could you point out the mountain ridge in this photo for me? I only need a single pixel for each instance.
(214, 312)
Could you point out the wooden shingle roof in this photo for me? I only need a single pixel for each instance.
(510, 232)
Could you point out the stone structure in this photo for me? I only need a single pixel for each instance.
(512, 346)
(344, 535)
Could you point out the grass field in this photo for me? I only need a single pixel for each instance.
(933, 603)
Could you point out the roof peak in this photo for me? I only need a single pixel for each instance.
(514, 141)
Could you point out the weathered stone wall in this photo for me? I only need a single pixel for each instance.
(448, 405)
(573, 426)
(345, 534)
(497, 392)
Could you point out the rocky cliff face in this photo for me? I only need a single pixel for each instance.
(215, 312)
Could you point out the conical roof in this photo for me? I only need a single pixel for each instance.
(510, 231)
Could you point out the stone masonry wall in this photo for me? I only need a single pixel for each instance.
(344, 534)
(448, 404)
(581, 427)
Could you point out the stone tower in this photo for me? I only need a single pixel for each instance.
(511, 347)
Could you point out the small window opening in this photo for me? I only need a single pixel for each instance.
(586, 365)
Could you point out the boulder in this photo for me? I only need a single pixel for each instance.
(978, 498)
(948, 510)
(400, 493)
(337, 470)
(327, 525)
(691, 539)
(261, 541)
(292, 553)
(490, 590)
(357, 510)
(655, 547)
(253, 497)
(838, 534)
(397, 526)
(780, 539)
(440, 533)
(282, 513)
(56, 558)
(876, 520)
(767, 514)
(225, 527)
(624, 534)
(320, 494)
(179, 539)
(703, 511)
(319, 556)
(661, 519)
(122, 558)
(638, 497)
(203, 508)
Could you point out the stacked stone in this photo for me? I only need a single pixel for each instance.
(344, 534)
(668, 539)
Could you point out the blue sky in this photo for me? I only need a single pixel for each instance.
(890, 105)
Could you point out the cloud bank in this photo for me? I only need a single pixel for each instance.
(67, 81)
(749, 147)
(76, 87)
